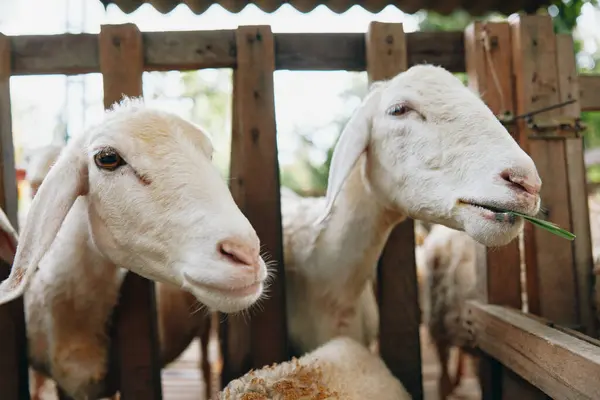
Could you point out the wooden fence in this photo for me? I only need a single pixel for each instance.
(519, 66)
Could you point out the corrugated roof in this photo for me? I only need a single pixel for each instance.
(474, 7)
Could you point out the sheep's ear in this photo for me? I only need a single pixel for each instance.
(8, 239)
(67, 180)
(352, 143)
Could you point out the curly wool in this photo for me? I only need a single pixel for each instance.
(341, 369)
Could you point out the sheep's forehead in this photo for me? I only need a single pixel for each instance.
(153, 133)
(434, 89)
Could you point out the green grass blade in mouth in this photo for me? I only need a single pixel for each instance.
(549, 226)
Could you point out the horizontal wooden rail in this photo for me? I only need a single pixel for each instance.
(189, 50)
(561, 365)
(73, 54)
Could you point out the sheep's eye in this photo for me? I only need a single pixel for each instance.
(108, 159)
(398, 109)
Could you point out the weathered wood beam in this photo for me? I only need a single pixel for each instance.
(189, 50)
(399, 341)
(562, 365)
(14, 382)
(488, 51)
(136, 330)
(73, 54)
(551, 273)
(255, 187)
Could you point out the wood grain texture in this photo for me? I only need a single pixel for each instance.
(255, 187)
(551, 277)
(136, 332)
(399, 341)
(14, 379)
(561, 365)
(190, 50)
(578, 195)
(234, 332)
(488, 51)
(499, 270)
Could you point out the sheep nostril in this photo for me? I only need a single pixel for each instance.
(229, 255)
(520, 182)
(238, 253)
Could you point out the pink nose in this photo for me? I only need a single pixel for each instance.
(240, 253)
(528, 183)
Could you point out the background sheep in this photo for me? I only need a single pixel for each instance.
(416, 147)
(340, 369)
(448, 259)
(38, 162)
(179, 318)
(153, 170)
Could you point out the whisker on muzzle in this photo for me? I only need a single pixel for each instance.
(543, 213)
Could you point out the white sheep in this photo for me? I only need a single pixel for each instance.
(38, 162)
(449, 262)
(420, 145)
(339, 369)
(179, 319)
(139, 191)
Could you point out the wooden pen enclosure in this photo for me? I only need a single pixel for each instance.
(519, 66)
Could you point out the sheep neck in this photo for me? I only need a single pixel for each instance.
(356, 233)
(75, 243)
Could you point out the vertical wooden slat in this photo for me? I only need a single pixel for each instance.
(14, 382)
(578, 196)
(255, 187)
(488, 56)
(121, 64)
(551, 278)
(500, 268)
(488, 52)
(235, 331)
(399, 341)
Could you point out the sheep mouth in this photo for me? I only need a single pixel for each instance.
(492, 212)
(229, 291)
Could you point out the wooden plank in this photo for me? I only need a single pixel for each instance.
(561, 365)
(14, 378)
(234, 332)
(577, 179)
(500, 270)
(589, 86)
(190, 50)
(8, 175)
(136, 333)
(255, 185)
(551, 278)
(488, 54)
(399, 341)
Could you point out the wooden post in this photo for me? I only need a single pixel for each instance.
(136, 331)
(488, 58)
(14, 378)
(498, 271)
(399, 341)
(551, 273)
(255, 187)
(578, 196)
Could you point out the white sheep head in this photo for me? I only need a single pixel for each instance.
(156, 205)
(38, 162)
(436, 152)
